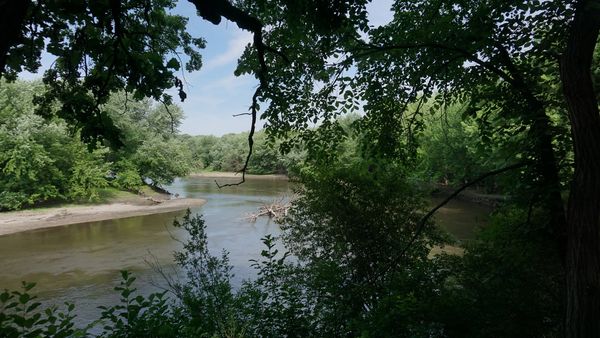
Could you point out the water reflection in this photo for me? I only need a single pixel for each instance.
(80, 263)
(462, 219)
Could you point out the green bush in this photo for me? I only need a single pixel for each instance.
(126, 176)
(88, 175)
(20, 317)
(509, 281)
(139, 316)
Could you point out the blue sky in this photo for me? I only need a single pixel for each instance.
(214, 93)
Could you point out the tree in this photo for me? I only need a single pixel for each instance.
(500, 56)
(44, 160)
(41, 160)
(150, 144)
(162, 161)
(583, 232)
(101, 47)
(450, 150)
(351, 231)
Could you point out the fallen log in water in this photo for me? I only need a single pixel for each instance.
(275, 210)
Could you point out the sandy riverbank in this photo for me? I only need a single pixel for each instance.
(18, 221)
(225, 174)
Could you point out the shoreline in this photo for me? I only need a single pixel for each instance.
(228, 174)
(25, 220)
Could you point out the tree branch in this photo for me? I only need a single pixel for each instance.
(12, 17)
(213, 11)
(253, 112)
(371, 48)
(427, 216)
(241, 114)
(170, 115)
(421, 225)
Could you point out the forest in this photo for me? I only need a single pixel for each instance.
(498, 97)
(44, 161)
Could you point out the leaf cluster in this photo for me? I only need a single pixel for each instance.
(100, 48)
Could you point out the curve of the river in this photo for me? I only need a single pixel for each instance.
(80, 263)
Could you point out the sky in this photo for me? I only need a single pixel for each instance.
(215, 94)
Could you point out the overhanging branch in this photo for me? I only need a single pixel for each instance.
(213, 11)
(470, 56)
(253, 112)
(427, 216)
(421, 225)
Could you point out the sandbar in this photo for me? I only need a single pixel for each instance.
(25, 220)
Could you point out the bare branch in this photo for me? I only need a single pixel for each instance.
(170, 114)
(241, 114)
(427, 216)
(213, 11)
(253, 112)
(421, 225)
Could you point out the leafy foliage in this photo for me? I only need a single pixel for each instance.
(102, 48)
(451, 152)
(127, 176)
(206, 294)
(161, 162)
(513, 271)
(20, 317)
(42, 160)
(138, 316)
(88, 175)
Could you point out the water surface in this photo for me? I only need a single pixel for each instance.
(80, 263)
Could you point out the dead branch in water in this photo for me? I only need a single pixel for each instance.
(154, 200)
(276, 210)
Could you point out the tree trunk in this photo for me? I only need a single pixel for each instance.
(582, 318)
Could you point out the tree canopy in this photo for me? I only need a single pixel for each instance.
(101, 47)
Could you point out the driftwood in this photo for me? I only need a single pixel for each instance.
(154, 200)
(275, 210)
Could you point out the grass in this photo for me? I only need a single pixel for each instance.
(106, 195)
(111, 194)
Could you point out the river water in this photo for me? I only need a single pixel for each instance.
(80, 263)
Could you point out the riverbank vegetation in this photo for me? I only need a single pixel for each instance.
(499, 95)
(228, 153)
(43, 159)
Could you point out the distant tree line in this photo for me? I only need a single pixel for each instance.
(42, 158)
(228, 153)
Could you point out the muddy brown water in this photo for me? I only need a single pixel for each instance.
(80, 263)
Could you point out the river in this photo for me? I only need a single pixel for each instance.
(80, 263)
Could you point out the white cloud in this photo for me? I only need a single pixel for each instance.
(234, 50)
(228, 83)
